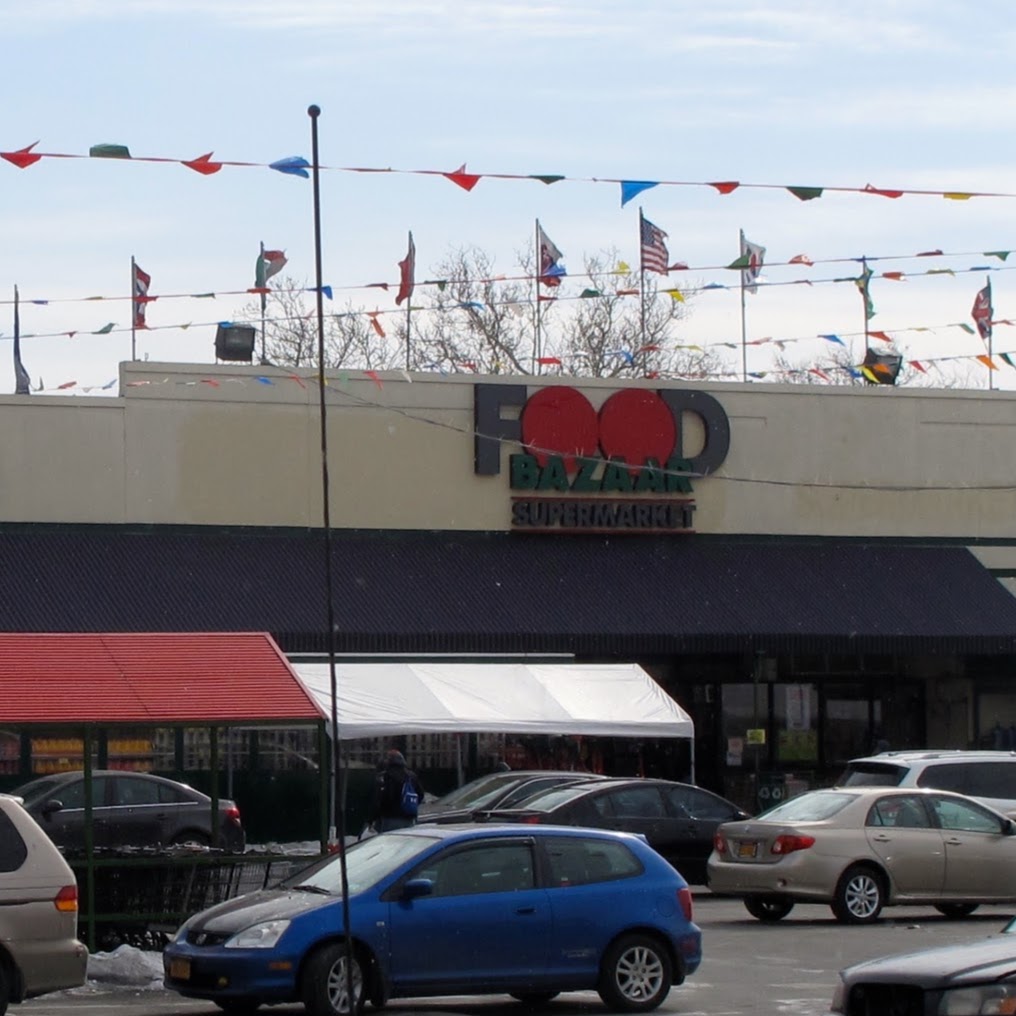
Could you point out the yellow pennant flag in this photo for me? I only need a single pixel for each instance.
(957, 196)
(675, 294)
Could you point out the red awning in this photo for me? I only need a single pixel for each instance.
(149, 678)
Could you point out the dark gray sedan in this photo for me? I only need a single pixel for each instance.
(128, 809)
(955, 980)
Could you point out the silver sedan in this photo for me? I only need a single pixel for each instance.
(860, 849)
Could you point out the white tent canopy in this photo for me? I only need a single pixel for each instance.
(602, 700)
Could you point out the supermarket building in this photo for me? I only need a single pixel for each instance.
(825, 567)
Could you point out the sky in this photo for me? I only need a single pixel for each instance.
(898, 94)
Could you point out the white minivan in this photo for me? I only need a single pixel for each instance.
(986, 776)
(39, 948)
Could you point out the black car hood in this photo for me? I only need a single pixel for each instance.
(255, 908)
(974, 962)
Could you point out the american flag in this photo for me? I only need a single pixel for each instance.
(654, 251)
(142, 280)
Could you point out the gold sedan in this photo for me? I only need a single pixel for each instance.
(860, 849)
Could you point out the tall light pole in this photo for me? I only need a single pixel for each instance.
(337, 819)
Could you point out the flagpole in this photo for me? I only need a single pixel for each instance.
(134, 307)
(22, 382)
(536, 313)
(264, 303)
(744, 325)
(642, 282)
(409, 301)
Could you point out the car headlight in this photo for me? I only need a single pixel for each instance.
(258, 936)
(839, 1002)
(979, 1000)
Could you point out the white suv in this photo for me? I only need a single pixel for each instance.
(39, 949)
(986, 776)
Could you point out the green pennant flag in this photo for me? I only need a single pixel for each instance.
(587, 293)
(105, 329)
(744, 261)
(547, 178)
(1008, 360)
(967, 328)
(1000, 254)
(806, 193)
(109, 152)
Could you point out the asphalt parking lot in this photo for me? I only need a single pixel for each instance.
(750, 969)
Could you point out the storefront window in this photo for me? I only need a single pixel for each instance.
(795, 718)
(847, 726)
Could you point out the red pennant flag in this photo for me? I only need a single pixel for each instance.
(880, 335)
(375, 324)
(916, 364)
(23, 157)
(818, 373)
(407, 273)
(893, 276)
(868, 189)
(203, 164)
(373, 375)
(463, 179)
(726, 186)
(800, 259)
(548, 361)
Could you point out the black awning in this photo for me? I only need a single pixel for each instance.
(426, 592)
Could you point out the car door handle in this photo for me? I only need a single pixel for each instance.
(954, 842)
(882, 838)
(526, 910)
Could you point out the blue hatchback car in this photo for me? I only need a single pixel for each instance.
(451, 910)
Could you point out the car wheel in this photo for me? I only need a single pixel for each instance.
(326, 983)
(859, 896)
(533, 999)
(5, 988)
(635, 975)
(768, 908)
(956, 910)
(238, 1006)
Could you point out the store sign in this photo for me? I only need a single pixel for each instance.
(622, 467)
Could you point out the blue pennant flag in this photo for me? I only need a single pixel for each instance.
(632, 188)
(294, 165)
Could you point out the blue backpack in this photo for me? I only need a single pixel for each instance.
(410, 798)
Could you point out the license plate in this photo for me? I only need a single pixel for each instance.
(179, 970)
(747, 848)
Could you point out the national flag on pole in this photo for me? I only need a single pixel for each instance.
(751, 258)
(269, 263)
(22, 382)
(654, 251)
(863, 283)
(142, 280)
(982, 311)
(407, 273)
(548, 255)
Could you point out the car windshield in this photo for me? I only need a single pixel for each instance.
(808, 807)
(547, 800)
(367, 863)
(872, 774)
(36, 790)
(478, 792)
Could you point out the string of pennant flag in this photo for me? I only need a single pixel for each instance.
(299, 166)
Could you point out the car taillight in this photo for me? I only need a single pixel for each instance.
(67, 899)
(787, 844)
(684, 901)
(720, 844)
(531, 820)
(233, 814)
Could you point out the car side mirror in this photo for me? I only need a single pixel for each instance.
(51, 807)
(1009, 829)
(417, 887)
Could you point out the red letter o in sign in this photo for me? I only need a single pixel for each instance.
(559, 421)
(635, 425)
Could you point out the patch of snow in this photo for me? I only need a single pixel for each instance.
(126, 965)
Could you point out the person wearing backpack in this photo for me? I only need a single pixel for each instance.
(398, 793)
